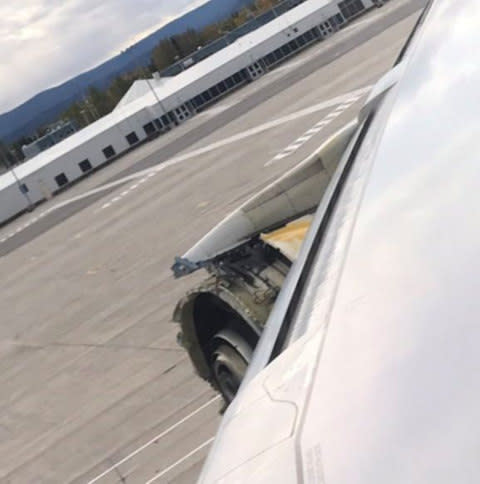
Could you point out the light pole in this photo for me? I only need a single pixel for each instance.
(21, 186)
(147, 72)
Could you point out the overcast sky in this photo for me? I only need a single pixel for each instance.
(45, 42)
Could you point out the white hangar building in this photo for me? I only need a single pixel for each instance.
(153, 106)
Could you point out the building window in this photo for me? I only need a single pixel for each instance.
(61, 180)
(23, 188)
(109, 152)
(85, 166)
(171, 116)
(301, 41)
(198, 101)
(182, 113)
(238, 78)
(293, 45)
(336, 21)
(278, 54)
(269, 59)
(132, 138)
(350, 8)
(309, 36)
(285, 50)
(149, 129)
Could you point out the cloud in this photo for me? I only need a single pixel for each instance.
(45, 42)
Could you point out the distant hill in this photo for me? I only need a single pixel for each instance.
(45, 106)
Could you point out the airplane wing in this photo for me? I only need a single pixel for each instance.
(367, 370)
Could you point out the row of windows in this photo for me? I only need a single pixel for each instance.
(290, 47)
(219, 89)
(85, 165)
(167, 119)
(62, 179)
(350, 8)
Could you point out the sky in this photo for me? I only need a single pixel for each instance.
(46, 42)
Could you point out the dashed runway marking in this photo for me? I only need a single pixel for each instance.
(25, 226)
(126, 192)
(307, 136)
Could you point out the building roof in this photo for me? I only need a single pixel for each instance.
(138, 90)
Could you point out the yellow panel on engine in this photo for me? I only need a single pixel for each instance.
(289, 238)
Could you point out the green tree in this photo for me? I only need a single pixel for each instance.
(98, 102)
(118, 88)
(75, 113)
(164, 54)
(211, 33)
(15, 149)
(262, 6)
(5, 157)
(188, 42)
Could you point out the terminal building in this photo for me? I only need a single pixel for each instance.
(156, 105)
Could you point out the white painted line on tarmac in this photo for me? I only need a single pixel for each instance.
(155, 439)
(291, 65)
(307, 136)
(128, 191)
(180, 461)
(214, 111)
